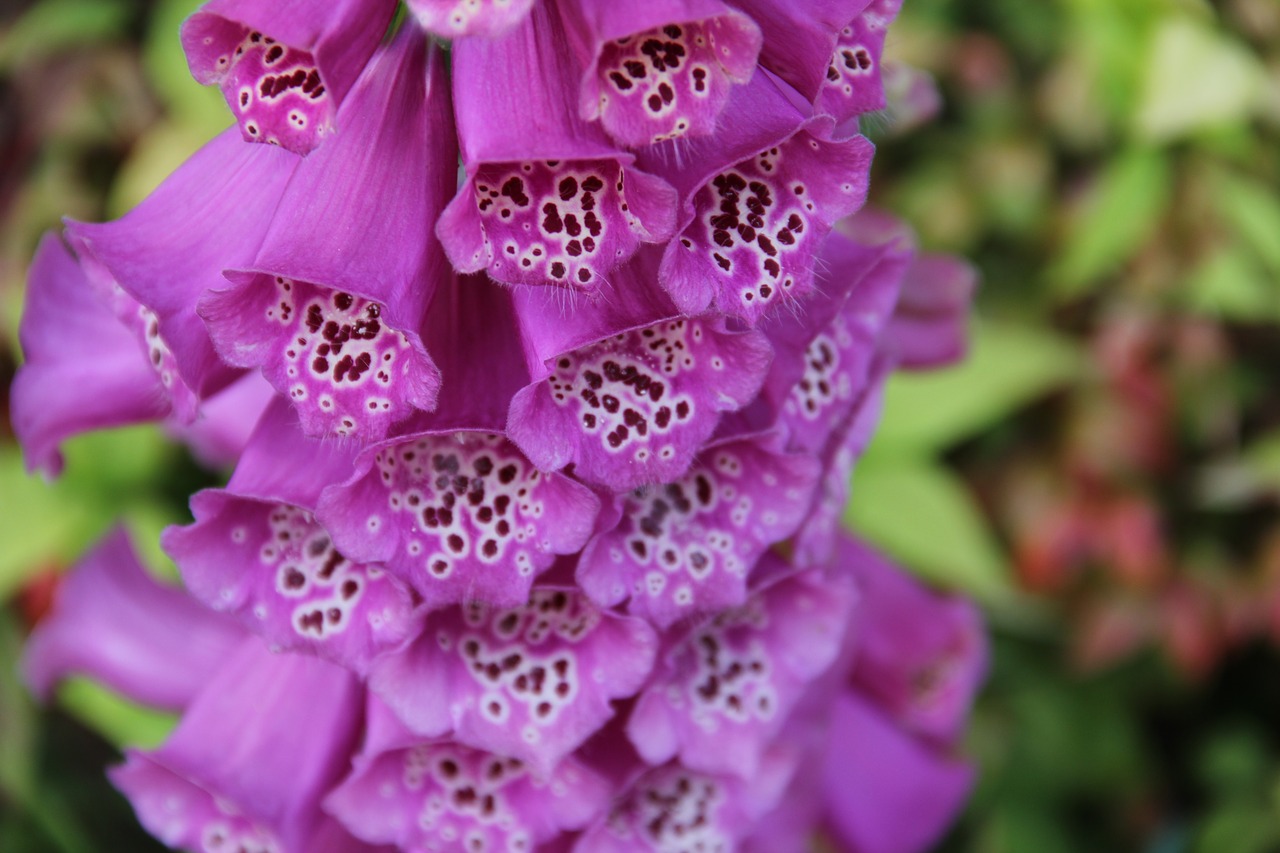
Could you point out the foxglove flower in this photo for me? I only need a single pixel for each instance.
(531, 542)
(661, 70)
(284, 68)
(556, 203)
(332, 306)
(756, 204)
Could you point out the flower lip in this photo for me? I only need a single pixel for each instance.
(284, 68)
(661, 70)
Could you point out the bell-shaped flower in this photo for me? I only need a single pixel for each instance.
(115, 623)
(920, 656)
(883, 790)
(659, 70)
(722, 690)
(83, 369)
(625, 388)
(154, 273)
(332, 306)
(252, 757)
(687, 547)
(672, 808)
(548, 199)
(452, 19)
(758, 198)
(437, 796)
(825, 353)
(454, 508)
(284, 67)
(929, 328)
(257, 551)
(800, 39)
(530, 682)
(816, 540)
(854, 81)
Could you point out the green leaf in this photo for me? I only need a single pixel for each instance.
(1254, 210)
(1196, 77)
(1008, 367)
(1230, 285)
(1118, 217)
(118, 720)
(922, 515)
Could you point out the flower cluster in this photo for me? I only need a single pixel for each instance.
(532, 537)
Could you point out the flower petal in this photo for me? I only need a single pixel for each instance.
(928, 329)
(426, 795)
(556, 203)
(920, 656)
(273, 567)
(629, 390)
(687, 547)
(885, 791)
(661, 70)
(854, 83)
(221, 200)
(722, 692)
(457, 18)
(83, 369)
(285, 67)
(459, 516)
(800, 38)
(332, 306)
(259, 712)
(114, 622)
(756, 209)
(531, 682)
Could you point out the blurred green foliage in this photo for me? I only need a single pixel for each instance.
(1102, 473)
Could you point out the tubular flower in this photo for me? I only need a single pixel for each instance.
(531, 542)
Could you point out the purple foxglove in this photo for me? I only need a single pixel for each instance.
(660, 70)
(437, 795)
(928, 329)
(459, 516)
(723, 689)
(256, 551)
(114, 622)
(824, 355)
(531, 682)
(555, 203)
(687, 547)
(284, 67)
(884, 791)
(252, 757)
(817, 539)
(630, 390)
(671, 808)
(920, 656)
(223, 198)
(801, 38)
(757, 200)
(457, 18)
(83, 368)
(331, 308)
(854, 83)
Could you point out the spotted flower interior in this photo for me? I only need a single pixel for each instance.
(531, 539)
